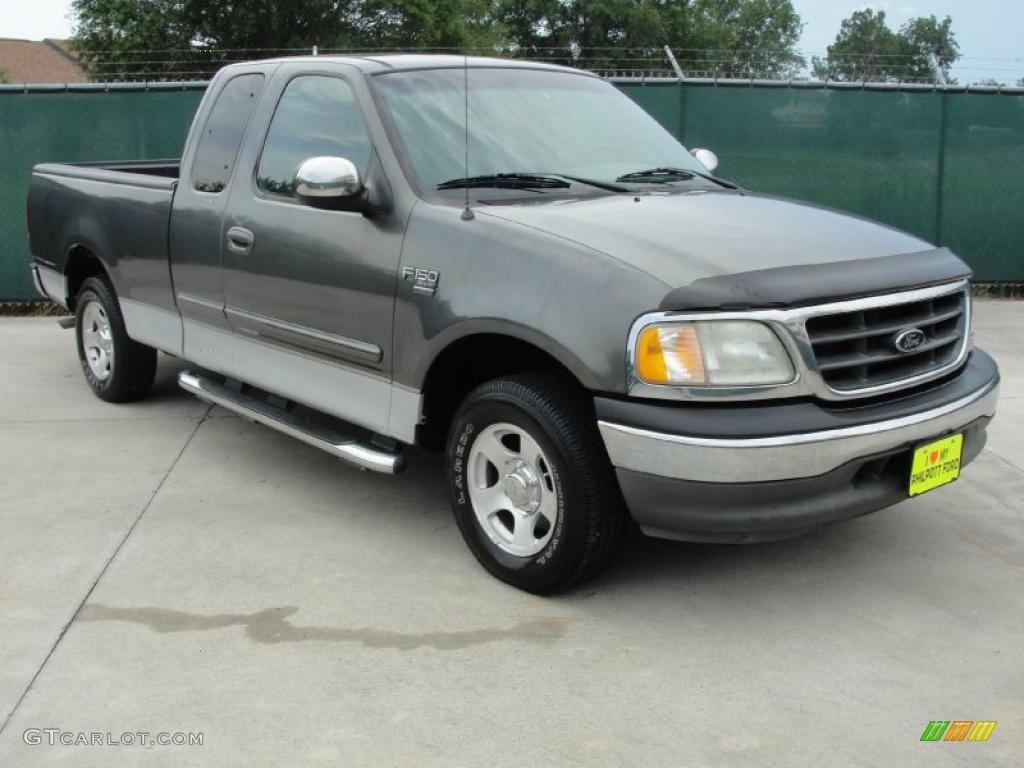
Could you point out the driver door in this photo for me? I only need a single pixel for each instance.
(315, 284)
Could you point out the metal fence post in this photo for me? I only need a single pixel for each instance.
(940, 167)
(675, 64)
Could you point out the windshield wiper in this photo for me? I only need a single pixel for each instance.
(519, 180)
(507, 181)
(607, 185)
(659, 175)
(666, 175)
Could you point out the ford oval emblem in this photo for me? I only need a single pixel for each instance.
(909, 339)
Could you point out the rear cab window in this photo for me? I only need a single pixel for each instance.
(222, 135)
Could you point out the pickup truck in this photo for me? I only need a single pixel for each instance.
(516, 265)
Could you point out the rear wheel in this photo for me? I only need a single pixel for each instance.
(116, 368)
(532, 489)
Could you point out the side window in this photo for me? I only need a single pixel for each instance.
(316, 116)
(222, 134)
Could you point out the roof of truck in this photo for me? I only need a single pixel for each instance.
(376, 63)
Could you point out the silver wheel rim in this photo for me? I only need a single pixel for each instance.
(513, 489)
(97, 341)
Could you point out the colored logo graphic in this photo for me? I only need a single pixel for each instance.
(958, 730)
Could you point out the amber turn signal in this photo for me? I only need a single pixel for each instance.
(669, 354)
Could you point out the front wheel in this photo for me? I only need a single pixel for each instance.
(532, 489)
(115, 367)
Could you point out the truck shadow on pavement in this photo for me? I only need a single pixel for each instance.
(165, 385)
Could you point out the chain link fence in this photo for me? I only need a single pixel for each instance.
(942, 163)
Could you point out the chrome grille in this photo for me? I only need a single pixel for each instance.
(856, 350)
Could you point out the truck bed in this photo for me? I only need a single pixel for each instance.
(117, 211)
(146, 173)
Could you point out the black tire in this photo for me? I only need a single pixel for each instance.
(132, 367)
(559, 417)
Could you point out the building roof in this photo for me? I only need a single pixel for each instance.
(39, 61)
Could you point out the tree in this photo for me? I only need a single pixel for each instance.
(723, 38)
(433, 24)
(864, 49)
(584, 33)
(926, 42)
(744, 38)
(867, 49)
(156, 39)
(3, 76)
(534, 27)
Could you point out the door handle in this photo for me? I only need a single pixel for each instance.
(240, 240)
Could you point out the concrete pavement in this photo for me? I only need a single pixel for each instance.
(168, 567)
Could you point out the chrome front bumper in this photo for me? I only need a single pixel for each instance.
(785, 457)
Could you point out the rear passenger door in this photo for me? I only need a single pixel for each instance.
(208, 172)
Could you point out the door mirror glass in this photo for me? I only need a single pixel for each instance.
(327, 177)
(707, 158)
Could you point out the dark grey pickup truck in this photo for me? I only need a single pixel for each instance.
(513, 263)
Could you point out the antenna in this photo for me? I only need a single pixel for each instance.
(467, 214)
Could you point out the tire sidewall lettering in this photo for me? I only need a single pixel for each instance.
(459, 463)
(459, 467)
(548, 552)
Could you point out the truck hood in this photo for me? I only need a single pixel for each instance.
(735, 249)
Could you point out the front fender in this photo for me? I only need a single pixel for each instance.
(497, 276)
(497, 326)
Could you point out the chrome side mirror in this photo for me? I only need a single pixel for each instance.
(327, 177)
(707, 158)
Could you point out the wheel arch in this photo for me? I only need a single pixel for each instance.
(473, 358)
(80, 263)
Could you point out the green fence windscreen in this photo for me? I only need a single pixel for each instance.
(67, 127)
(981, 212)
(943, 165)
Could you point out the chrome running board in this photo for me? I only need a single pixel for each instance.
(361, 453)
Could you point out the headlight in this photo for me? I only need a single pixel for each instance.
(711, 353)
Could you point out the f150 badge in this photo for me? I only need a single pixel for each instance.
(423, 280)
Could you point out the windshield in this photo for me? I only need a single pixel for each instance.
(522, 121)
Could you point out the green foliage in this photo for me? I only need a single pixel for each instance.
(3, 77)
(725, 38)
(161, 39)
(926, 38)
(433, 24)
(867, 49)
(756, 38)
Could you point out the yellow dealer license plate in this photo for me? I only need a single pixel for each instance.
(935, 464)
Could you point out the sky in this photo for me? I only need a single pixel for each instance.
(989, 31)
